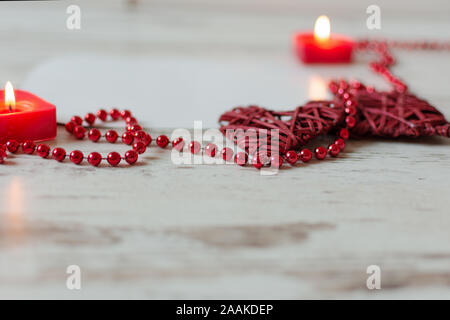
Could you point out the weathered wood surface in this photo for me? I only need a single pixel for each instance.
(158, 230)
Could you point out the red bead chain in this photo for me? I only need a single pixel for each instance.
(134, 135)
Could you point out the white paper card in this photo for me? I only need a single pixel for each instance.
(173, 92)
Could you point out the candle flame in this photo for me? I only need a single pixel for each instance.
(10, 99)
(322, 28)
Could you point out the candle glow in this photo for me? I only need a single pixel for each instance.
(10, 99)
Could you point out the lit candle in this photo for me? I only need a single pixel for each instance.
(24, 116)
(322, 46)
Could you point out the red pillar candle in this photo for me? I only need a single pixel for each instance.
(321, 46)
(24, 116)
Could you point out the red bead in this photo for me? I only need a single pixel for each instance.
(350, 103)
(69, 126)
(291, 156)
(3, 155)
(194, 147)
(102, 114)
(12, 146)
(111, 136)
(343, 84)
(241, 158)
(178, 144)
(227, 154)
(305, 155)
(276, 161)
(125, 114)
(79, 132)
(357, 85)
(43, 150)
(350, 110)
(76, 156)
(77, 120)
(139, 147)
(94, 159)
(333, 150)
(94, 135)
(133, 127)
(28, 147)
(140, 136)
(59, 154)
(113, 158)
(147, 140)
(344, 134)
(346, 96)
(320, 153)
(350, 121)
(211, 150)
(162, 141)
(131, 120)
(131, 156)
(340, 143)
(90, 118)
(114, 113)
(256, 162)
(127, 137)
(333, 86)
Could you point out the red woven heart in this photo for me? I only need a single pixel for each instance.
(394, 114)
(295, 127)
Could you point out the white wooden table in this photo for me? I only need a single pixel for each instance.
(157, 230)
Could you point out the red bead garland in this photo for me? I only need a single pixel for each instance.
(134, 136)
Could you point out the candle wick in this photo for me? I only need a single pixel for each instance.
(10, 109)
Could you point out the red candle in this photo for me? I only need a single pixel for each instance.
(24, 116)
(321, 46)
